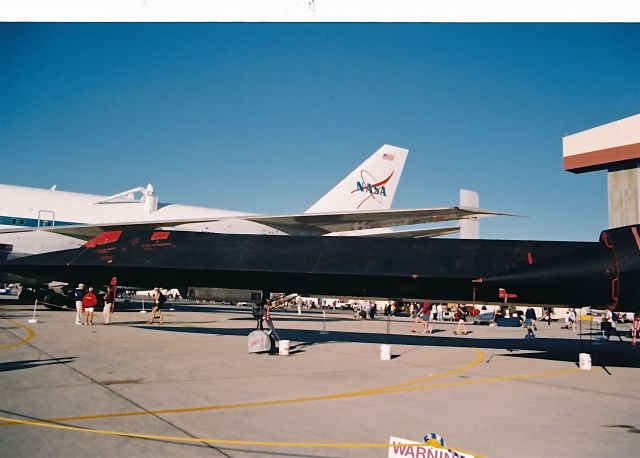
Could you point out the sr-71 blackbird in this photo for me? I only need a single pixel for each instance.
(603, 274)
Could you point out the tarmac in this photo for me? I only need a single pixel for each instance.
(190, 388)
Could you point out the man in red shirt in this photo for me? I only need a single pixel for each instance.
(89, 302)
(423, 317)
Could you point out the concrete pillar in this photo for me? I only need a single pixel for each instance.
(624, 195)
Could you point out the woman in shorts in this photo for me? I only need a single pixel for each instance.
(89, 302)
(424, 314)
(462, 317)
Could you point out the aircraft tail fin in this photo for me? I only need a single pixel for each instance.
(469, 227)
(371, 186)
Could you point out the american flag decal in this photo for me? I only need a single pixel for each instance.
(388, 157)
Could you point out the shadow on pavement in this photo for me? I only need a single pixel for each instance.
(614, 354)
(28, 364)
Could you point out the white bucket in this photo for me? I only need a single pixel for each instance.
(385, 352)
(585, 361)
(283, 348)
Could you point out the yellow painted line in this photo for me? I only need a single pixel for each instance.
(244, 405)
(30, 335)
(372, 392)
(508, 378)
(213, 441)
(399, 388)
(479, 358)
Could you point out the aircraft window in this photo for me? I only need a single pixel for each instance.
(14, 221)
(22, 222)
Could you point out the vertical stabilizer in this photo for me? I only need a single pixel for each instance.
(371, 186)
(469, 227)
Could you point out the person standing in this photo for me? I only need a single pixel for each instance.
(423, 317)
(78, 294)
(609, 324)
(89, 302)
(462, 317)
(367, 310)
(530, 322)
(159, 300)
(569, 320)
(109, 301)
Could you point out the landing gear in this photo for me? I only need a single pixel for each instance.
(27, 296)
(53, 300)
(49, 298)
(258, 314)
(257, 339)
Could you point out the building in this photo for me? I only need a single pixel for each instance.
(614, 147)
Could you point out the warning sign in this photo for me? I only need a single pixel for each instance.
(403, 448)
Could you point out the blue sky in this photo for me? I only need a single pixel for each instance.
(268, 117)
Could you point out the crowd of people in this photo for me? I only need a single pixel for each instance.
(86, 302)
(431, 312)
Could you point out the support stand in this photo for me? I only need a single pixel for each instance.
(259, 341)
(258, 314)
(324, 323)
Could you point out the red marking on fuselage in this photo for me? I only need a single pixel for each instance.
(634, 231)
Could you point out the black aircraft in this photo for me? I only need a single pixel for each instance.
(603, 274)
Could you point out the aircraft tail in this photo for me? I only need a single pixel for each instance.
(371, 186)
(469, 227)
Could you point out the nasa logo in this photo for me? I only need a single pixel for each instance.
(371, 186)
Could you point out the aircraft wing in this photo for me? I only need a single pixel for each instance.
(416, 233)
(302, 224)
(324, 223)
(89, 231)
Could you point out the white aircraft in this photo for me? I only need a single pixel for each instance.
(35, 220)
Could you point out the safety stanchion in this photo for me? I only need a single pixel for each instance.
(143, 310)
(34, 319)
(385, 349)
(324, 323)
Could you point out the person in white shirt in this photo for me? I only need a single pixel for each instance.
(609, 325)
